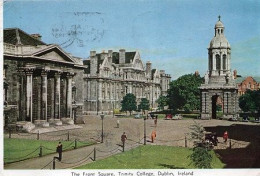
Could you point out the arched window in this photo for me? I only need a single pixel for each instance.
(210, 62)
(221, 31)
(218, 62)
(224, 61)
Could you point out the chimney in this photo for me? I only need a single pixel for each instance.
(92, 53)
(93, 63)
(148, 68)
(121, 56)
(110, 53)
(235, 74)
(37, 36)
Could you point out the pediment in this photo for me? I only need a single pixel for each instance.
(54, 54)
(138, 64)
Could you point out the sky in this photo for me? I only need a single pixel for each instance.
(173, 34)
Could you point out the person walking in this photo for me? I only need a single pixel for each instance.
(225, 136)
(123, 139)
(117, 123)
(59, 150)
(155, 120)
(153, 135)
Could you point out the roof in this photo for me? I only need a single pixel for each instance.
(129, 56)
(87, 62)
(219, 24)
(153, 71)
(241, 79)
(17, 36)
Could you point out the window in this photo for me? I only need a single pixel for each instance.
(224, 61)
(218, 62)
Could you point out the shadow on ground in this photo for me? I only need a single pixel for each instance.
(248, 157)
(170, 166)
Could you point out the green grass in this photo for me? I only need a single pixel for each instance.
(21, 149)
(150, 157)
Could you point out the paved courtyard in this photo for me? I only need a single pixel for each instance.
(169, 132)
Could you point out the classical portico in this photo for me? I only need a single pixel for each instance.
(43, 95)
(219, 83)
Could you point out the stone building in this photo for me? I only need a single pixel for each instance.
(42, 83)
(219, 82)
(111, 75)
(247, 83)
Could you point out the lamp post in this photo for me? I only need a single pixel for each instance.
(144, 130)
(102, 135)
(113, 110)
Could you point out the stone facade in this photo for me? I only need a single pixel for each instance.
(219, 82)
(44, 85)
(41, 81)
(111, 75)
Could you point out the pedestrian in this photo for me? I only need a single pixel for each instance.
(155, 120)
(153, 135)
(59, 150)
(123, 139)
(225, 136)
(117, 123)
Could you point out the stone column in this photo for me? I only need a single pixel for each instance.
(29, 73)
(69, 95)
(44, 94)
(57, 96)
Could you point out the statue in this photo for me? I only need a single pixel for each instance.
(227, 78)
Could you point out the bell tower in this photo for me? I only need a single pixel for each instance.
(219, 83)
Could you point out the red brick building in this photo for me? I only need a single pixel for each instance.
(245, 83)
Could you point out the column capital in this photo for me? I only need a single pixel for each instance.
(70, 74)
(57, 73)
(44, 72)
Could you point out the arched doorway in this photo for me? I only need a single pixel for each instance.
(217, 106)
(214, 106)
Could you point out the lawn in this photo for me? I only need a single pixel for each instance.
(21, 149)
(150, 157)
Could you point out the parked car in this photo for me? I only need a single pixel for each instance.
(245, 118)
(137, 116)
(177, 117)
(211, 139)
(168, 117)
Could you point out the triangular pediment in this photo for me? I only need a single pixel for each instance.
(55, 54)
(137, 63)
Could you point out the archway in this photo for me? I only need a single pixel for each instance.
(217, 106)
(214, 106)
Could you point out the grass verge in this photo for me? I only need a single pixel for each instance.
(22, 149)
(150, 157)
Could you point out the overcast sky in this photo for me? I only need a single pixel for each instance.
(172, 34)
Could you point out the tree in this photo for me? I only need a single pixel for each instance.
(144, 104)
(250, 101)
(162, 102)
(200, 157)
(184, 93)
(128, 103)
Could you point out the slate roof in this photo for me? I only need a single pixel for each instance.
(115, 59)
(17, 36)
(87, 62)
(128, 57)
(153, 71)
(241, 79)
